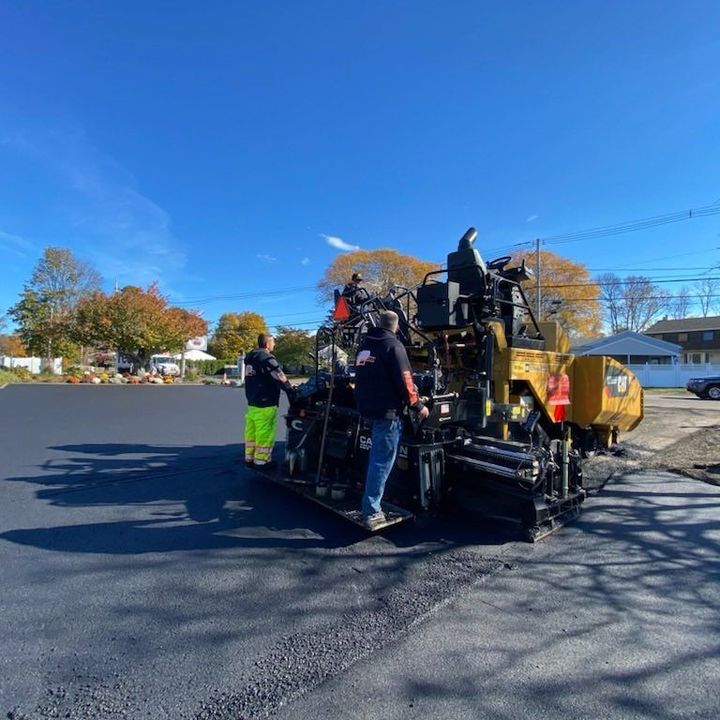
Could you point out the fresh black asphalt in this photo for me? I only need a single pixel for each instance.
(146, 573)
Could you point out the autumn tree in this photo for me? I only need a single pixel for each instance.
(632, 303)
(381, 271)
(568, 295)
(45, 312)
(12, 346)
(136, 320)
(236, 333)
(293, 346)
(706, 291)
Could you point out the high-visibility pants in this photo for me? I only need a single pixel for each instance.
(260, 433)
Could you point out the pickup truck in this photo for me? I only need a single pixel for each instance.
(706, 387)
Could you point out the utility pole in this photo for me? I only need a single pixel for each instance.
(537, 279)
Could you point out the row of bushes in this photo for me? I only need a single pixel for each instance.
(18, 375)
(210, 367)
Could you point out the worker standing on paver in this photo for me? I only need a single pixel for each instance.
(384, 387)
(352, 292)
(264, 379)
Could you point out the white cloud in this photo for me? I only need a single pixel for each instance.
(305, 261)
(530, 218)
(120, 230)
(266, 258)
(339, 243)
(16, 244)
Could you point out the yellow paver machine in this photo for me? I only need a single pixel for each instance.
(513, 412)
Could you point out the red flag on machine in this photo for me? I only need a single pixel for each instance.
(342, 311)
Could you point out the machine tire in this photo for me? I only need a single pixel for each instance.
(713, 392)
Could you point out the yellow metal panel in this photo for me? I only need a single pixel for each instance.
(555, 338)
(606, 393)
(546, 374)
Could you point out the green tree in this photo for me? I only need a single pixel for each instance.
(45, 312)
(381, 271)
(236, 333)
(567, 295)
(293, 346)
(136, 320)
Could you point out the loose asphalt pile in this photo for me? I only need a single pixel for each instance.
(696, 456)
(300, 662)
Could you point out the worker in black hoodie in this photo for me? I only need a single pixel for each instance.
(264, 379)
(384, 387)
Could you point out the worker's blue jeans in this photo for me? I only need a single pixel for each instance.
(385, 441)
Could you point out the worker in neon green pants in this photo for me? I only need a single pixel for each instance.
(260, 434)
(264, 379)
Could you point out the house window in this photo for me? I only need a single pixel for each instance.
(696, 358)
(682, 337)
(707, 357)
(708, 335)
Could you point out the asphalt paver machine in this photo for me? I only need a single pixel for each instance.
(512, 412)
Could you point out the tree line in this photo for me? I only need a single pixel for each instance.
(62, 308)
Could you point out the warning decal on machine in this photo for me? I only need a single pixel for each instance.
(617, 382)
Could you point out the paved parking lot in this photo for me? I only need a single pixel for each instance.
(146, 573)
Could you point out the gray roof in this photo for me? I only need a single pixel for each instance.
(685, 325)
(628, 343)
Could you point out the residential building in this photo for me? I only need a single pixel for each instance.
(631, 348)
(699, 338)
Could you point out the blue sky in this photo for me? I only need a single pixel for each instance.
(215, 147)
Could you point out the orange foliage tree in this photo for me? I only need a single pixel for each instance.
(381, 271)
(12, 346)
(136, 320)
(568, 294)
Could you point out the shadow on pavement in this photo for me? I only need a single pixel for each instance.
(181, 498)
(203, 497)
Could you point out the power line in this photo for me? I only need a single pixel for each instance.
(633, 226)
(618, 229)
(244, 296)
(573, 301)
(641, 269)
(640, 281)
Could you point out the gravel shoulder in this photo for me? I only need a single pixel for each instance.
(679, 434)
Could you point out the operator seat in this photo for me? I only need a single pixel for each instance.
(466, 267)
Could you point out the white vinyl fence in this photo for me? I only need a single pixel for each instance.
(671, 375)
(33, 364)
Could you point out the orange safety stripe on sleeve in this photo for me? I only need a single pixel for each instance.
(410, 387)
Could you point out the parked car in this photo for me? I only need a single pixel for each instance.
(706, 387)
(165, 365)
(129, 363)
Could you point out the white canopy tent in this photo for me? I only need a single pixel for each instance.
(193, 355)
